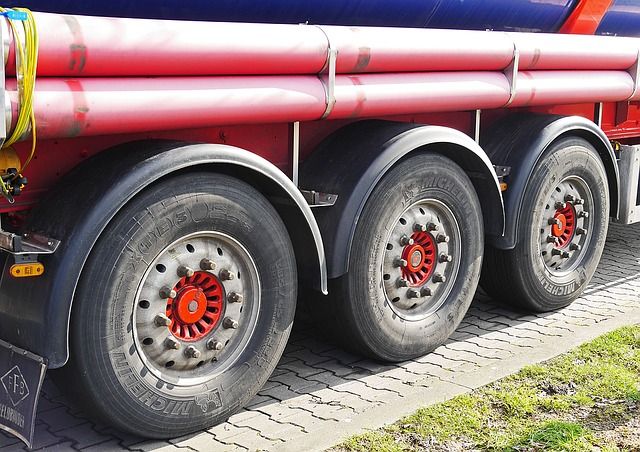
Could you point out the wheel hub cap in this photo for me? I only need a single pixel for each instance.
(197, 308)
(420, 258)
(565, 226)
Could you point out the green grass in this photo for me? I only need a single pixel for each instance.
(568, 404)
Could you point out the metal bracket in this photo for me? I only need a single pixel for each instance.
(629, 165)
(634, 72)
(330, 82)
(597, 113)
(27, 244)
(476, 132)
(502, 171)
(511, 72)
(295, 151)
(319, 199)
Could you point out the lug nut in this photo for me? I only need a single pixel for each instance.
(578, 201)
(207, 265)
(171, 343)
(556, 252)
(399, 262)
(228, 322)
(581, 231)
(425, 292)
(583, 214)
(413, 293)
(235, 297)
(214, 345)
(439, 278)
(402, 282)
(569, 198)
(167, 292)
(226, 275)
(432, 227)
(551, 239)
(419, 227)
(441, 238)
(445, 258)
(560, 205)
(565, 254)
(162, 320)
(185, 272)
(574, 247)
(192, 352)
(554, 221)
(404, 240)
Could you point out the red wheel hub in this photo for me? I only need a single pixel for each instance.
(197, 307)
(565, 227)
(420, 257)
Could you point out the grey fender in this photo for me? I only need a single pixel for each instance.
(520, 141)
(35, 312)
(352, 161)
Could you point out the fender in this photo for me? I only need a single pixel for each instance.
(352, 161)
(520, 141)
(35, 314)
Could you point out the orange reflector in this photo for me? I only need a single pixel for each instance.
(26, 270)
(503, 186)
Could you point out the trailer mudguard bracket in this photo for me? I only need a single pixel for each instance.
(35, 314)
(520, 140)
(350, 163)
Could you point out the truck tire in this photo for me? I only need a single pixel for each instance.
(414, 263)
(561, 232)
(184, 307)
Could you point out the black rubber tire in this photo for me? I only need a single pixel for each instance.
(100, 371)
(518, 277)
(357, 311)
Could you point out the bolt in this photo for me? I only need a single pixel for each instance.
(404, 240)
(214, 345)
(439, 277)
(441, 238)
(167, 292)
(560, 205)
(207, 264)
(574, 247)
(171, 343)
(445, 258)
(399, 262)
(425, 292)
(162, 320)
(402, 282)
(419, 227)
(565, 254)
(581, 231)
(578, 201)
(413, 293)
(583, 214)
(185, 272)
(556, 252)
(228, 322)
(192, 352)
(235, 297)
(551, 239)
(432, 227)
(554, 221)
(569, 198)
(226, 275)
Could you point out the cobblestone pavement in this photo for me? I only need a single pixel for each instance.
(319, 394)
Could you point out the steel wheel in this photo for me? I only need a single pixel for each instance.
(421, 259)
(564, 233)
(196, 307)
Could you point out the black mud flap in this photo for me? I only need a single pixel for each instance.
(21, 377)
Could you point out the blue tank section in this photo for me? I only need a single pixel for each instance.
(622, 19)
(512, 15)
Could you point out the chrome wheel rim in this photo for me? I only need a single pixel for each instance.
(196, 308)
(421, 259)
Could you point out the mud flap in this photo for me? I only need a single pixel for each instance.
(21, 377)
